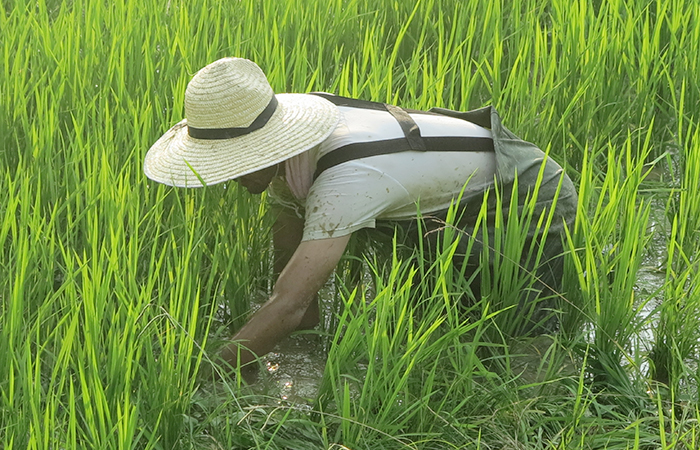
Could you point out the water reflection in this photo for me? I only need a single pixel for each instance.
(293, 370)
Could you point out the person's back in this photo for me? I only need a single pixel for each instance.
(376, 183)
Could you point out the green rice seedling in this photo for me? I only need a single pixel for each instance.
(607, 267)
(676, 335)
(411, 342)
(379, 368)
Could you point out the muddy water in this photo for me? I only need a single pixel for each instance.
(292, 372)
(650, 277)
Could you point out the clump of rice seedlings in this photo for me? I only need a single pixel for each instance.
(607, 265)
(675, 348)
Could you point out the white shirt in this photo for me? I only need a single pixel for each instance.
(357, 193)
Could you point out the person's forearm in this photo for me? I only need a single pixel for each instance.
(287, 232)
(271, 323)
(295, 289)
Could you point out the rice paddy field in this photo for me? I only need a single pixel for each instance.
(116, 292)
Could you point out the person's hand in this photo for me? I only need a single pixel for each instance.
(222, 367)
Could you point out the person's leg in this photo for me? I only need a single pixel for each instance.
(538, 302)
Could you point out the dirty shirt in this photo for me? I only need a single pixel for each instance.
(357, 193)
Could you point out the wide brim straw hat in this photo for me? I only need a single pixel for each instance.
(236, 125)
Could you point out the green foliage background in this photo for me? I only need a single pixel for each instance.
(109, 283)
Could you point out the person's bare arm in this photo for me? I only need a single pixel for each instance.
(307, 271)
(287, 232)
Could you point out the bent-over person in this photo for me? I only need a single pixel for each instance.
(339, 165)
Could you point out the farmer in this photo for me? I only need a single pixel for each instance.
(339, 165)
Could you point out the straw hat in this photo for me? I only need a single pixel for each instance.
(236, 125)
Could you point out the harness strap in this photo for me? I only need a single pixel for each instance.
(409, 127)
(412, 139)
(432, 144)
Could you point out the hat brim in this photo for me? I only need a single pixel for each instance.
(299, 123)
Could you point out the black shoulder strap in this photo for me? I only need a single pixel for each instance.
(410, 128)
(339, 100)
(366, 149)
(412, 139)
